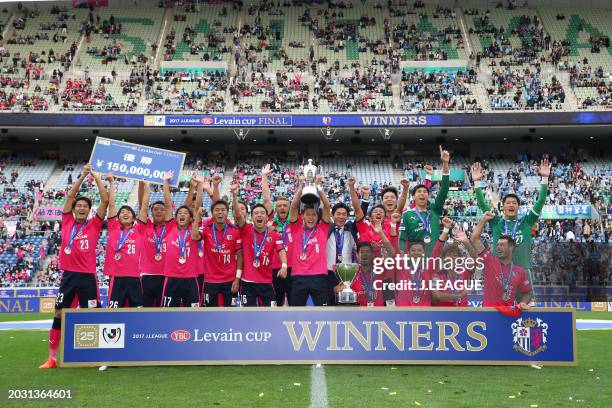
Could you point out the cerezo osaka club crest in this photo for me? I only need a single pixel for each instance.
(530, 336)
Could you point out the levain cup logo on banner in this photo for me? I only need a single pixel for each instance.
(530, 336)
(111, 335)
(86, 336)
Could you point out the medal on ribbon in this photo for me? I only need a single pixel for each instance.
(305, 241)
(416, 298)
(258, 247)
(123, 236)
(158, 239)
(505, 280)
(369, 285)
(216, 240)
(515, 227)
(182, 243)
(74, 233)
(426, 224)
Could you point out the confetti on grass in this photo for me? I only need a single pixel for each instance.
(261, 394)
(512, 396)
(417, 403)
(297, 384)
(384, 388)
(393, 393)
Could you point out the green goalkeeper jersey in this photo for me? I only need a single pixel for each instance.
(522, 232)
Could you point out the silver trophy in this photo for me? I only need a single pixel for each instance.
(309, 192)
(346, 272)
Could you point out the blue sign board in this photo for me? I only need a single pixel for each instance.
(272, 120)
(341, 335)
(135, 161)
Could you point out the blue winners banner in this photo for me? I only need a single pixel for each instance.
(135, 161)
(317, 335)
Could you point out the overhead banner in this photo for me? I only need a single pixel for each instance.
(135, 161)
(317, 335)
(561, 212)
(273, 120)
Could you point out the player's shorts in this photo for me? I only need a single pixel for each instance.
(212, 291)
(152, 290)
(124, 291)
(282, 287)
(257, 294)
(83, 286)
(315, 286)
(201, 286)
(181, 292)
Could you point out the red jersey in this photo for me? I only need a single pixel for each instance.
(493, 293)
(276, 263)
(271, 245)
(173, 267)
(442, 277)
(314, 243)
(366, 233)
(128, 264)
(365, 287)
(220, 258)
(149, 265)
(416, 294)
(82, 256)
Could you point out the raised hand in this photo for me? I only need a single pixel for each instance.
(447, 222)
(444, 155)
(235, 187)
(193, 183)
(476, 170)
(318, 179)
(302, 179)
(168, 175)
(351, 182)
(488, 216)
(110, 177)
(428, 169)
(266, 170)
(396, 218)
(460, 234)
(405, 183)
(545, 166)
(377, 225)
(87, 169)
(365, 191)
(216, 179)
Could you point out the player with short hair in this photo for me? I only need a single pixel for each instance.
(364, 281)
(258, 246)
(77, 256)
(421, 273)
(423, 222)
(123, 250)
(502, 276)
(181, 263)
(519, 228)
(154, 244)
(222, 254)
(365, 228)
(308, 245)
(279, 221)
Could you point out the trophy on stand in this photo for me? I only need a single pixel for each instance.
(309, 192)
(346, 272)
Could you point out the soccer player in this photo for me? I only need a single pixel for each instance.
(423, 222)
(155, 246)
(365, 229)
(502, 276)
(308, 247)
(77, 256)
(123, 250)
(181, 260)
(341, 245)
(279, 221)
(364, 283)
(451, 255)
(518, 228)
(421, 273)
(258, 246)
(222, 254)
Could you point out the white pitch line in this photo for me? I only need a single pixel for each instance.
(318, 387)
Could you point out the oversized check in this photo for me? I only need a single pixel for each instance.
(135, 161)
